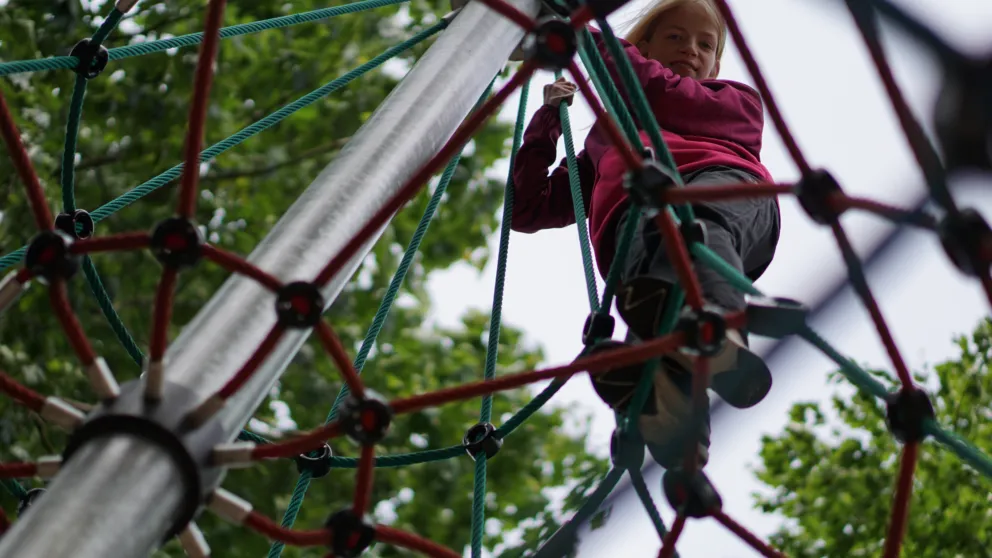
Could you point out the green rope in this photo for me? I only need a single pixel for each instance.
(71, 136)
(607, 89)
(563, 541)
(192, 39)
(495, 324)
(529, 409)
(620, 258)
(964, 449)
(14, 488)
(292, 510)
(479, 505)
(107, 307)
(246, 436)
(578, 205)
(166, 177)
(641, 488)
(403, 459)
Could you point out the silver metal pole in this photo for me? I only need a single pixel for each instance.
(118, 496)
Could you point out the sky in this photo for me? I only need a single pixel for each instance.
(821, 76)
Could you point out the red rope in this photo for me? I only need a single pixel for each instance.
(198, 107)
(126, 241)
(248, 369)
(745, 535)
(418, 180)
(512, 13)
(875, 312)
(272, 531)
(162, 314)
(842, 203)
(363, 484)
(678, 255)
(18, 470)
(59, 298)
(237, 264)
(759, 80)
(413, 542)
(677, 196)
(672, 537)
(298, 445)
(21, 394)
(900, 506)
(24, 168)
(632, 160)
(333, 347)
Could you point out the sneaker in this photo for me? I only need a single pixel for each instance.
(737, 375)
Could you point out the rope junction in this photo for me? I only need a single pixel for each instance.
(66, 242)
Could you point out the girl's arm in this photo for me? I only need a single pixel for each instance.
(719, 109)
(543, 201)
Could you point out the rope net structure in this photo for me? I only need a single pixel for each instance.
(66, 242)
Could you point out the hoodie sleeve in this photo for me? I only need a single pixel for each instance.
(718, 109)
(542, 200)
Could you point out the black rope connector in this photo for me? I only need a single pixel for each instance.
(705, 331)
(299, 305)
(365, 420)
(963, 117)
(645, 186)
(49, 258)
(176, 242)
(317, 462)
(78, 224)
(815, 192)
(906, 412)
(626, 450)
(482, 438)
(967, 240)
(598, 326)
(28, 500)
(552, 45)
(350, 534)
(692, 494)
(694, 232)
(775, 317)
(92, 57)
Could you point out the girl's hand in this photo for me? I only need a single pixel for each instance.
(559, 91)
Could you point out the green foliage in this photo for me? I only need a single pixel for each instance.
(133, 127)
(835, 485)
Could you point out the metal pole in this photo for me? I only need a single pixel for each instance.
(119, 495)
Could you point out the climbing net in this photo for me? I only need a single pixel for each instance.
(65, 242)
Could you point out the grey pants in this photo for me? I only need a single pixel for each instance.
(743, 232)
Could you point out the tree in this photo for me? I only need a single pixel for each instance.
(834, 483)
(133, 128)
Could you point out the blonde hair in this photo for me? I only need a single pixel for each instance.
(649, 18)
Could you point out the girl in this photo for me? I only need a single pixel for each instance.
(713, 129)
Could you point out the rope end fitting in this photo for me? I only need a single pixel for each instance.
(193, 542)
(10, 290)
(60, 413)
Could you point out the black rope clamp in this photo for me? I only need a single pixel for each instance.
(626, 450)
(299, 305)
(705, 331)
(815, 192)
(30, 497)
(693, 494)
(907, 412)
(176, 242)
(79, 224)
(552, 45)
(694, 232)
(775, 317)
(598, 326)
(963, 117)
(92, 57)
(646, 185)
(48, 256)
(967, 240)
(482, 438)
(317, 462)
(365, 420)
(350, 534)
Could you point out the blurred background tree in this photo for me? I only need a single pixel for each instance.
(133, 127)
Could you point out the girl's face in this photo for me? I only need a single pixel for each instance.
(684, 39)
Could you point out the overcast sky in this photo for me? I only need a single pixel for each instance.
(821, 76)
